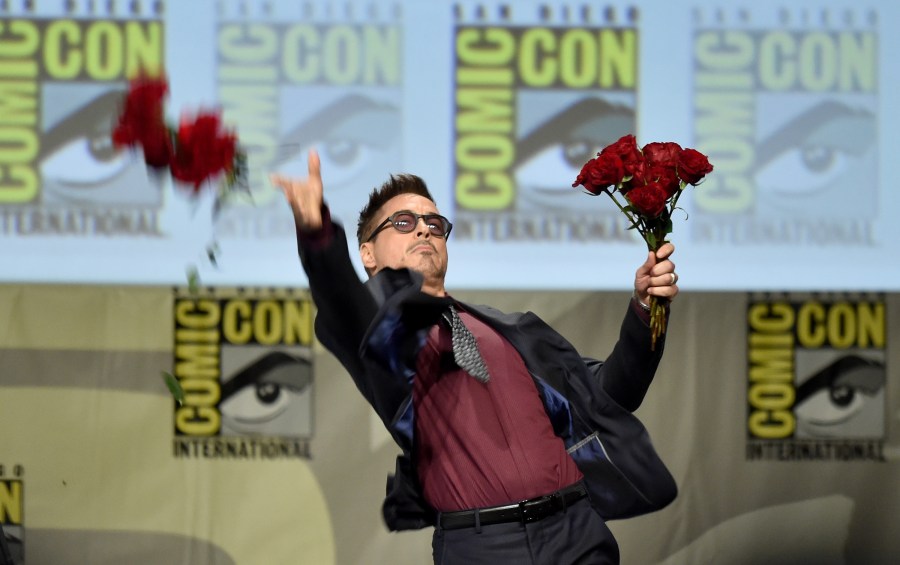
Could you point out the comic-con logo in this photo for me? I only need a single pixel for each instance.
(816, 378)
(62, 82)
(789, 115)
(533, 104)
(244, 363)
(301, 78)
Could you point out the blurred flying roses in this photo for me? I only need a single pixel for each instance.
(201, 152)
(201, 149)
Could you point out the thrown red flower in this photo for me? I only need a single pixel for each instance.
(205, 149)
(141, 122)
(693, 166)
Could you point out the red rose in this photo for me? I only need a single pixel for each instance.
(649, 200)
(638, 176)
(204, 150)
(665, 177)
(693, 166)
(157, 146)
(627, 150)
(662, 153)
(141, 123)
(600, 173)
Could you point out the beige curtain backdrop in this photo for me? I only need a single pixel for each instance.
(86, 428)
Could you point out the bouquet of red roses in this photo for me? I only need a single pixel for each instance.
(195, 153)
(200, 150)
(651, 179)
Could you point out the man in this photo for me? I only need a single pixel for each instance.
(522, 455)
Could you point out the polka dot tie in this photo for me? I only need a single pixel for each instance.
(465, 348)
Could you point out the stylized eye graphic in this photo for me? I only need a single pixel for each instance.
(814, 153)
(556, 150)
(829, 402)
(350, 135)
(78, 160)
(268, 395)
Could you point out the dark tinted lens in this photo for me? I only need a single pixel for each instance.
(437, 225)
(405, 222)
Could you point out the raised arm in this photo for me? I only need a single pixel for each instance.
(628, 371)
(345, 306)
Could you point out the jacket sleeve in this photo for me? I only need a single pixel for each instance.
(344, 306)
(347, 310)
(628, 478)
(628, 371)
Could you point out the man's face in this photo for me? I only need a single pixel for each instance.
(417, 250)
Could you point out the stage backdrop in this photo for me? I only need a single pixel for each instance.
(495, 103)
(778, 414)
(776, 405)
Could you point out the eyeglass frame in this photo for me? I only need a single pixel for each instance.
(390, 221)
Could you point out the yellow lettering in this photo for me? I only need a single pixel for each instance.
(197, 313)
(18, 39)
(772, 396)
(341, 55)
(841, 325)
(724, 105)
(197, 365)
(235, 326)
(268, 322)
(11, 502)
(536, 66)
(817, 61)
(248, 89)
(770, 354)
(102, 50)
(298, 322)
(382, 55)
(62, 59)
(197, 361)
(144, 51)
(871, 325)
(772, 424)
(578, 58)
(771, 318)
(488, 191)
(197, 421)
(618, 58)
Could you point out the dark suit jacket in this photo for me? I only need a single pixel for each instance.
(376, 329)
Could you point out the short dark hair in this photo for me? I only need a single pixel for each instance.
(395, 186)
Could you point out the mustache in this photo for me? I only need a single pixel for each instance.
(422, 242)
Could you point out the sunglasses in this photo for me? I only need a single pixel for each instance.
(405, 221)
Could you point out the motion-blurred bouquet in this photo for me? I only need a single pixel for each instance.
(651, 179)
(199, 154)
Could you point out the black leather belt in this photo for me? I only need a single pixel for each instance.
(526, 511)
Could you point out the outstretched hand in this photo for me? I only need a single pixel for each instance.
(304, 195)
(656, 277)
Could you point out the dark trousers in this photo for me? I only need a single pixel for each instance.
(575, 536)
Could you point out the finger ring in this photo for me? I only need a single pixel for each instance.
(674, 278)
